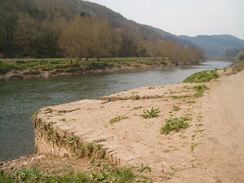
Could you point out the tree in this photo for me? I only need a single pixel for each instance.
(76, 38)
(101, 38)
(86, 37)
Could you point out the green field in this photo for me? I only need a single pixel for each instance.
(65, 65)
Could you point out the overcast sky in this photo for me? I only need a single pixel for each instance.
(184, 17)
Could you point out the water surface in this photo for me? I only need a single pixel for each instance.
(20, 98)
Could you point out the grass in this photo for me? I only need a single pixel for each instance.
(200, 90)
(202, 77)
(102, 172)
(151, 114)
(64, 64)
(199, 93)
(193, 145)
(174, 124)
(117, 119)
(136, 108)
(176, 108)
(142, 168)
(181, 97)
(34, 115)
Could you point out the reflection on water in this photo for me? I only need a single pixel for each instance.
(19, 99)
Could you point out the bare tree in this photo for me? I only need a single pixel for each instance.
(102, 39)
(76, 38)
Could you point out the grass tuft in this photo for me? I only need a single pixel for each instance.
(200, 90)
(117, 119)
(174, 124)
(151, 114)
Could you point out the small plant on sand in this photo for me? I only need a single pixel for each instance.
(200, 90)
(34, 115)
(136, 108)
(174, 124)
(193, 145)
(48, 110)
(202, 77)
(176, 108)
(142, 168)
(135, 97)
(151, 114)
(117, 119)
(73, 140)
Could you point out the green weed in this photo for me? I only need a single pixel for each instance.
(142, 168)
(174, 124)
(151, 114)
(34, 115)
(200, 90)
(117, 119)
(48, 110)
(176, 108)
(181, 96)
(136, 108)
(193, 145)
(135, 97)
(202, 77)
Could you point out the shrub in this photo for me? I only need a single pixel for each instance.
(174, 124)
(202, 77)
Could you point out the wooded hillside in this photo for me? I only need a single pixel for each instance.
(80, 29)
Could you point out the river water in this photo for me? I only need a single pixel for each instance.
(20, 98)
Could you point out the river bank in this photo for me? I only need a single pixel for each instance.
(130, 147)
(44, 68)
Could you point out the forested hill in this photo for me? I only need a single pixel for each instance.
(216, 45)
(168, 35)
(76, 28)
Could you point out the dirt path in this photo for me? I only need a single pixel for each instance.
(221, 159)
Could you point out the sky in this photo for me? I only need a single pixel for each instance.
(184, 17)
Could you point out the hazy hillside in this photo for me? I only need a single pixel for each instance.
(168, 35)
(215, 45)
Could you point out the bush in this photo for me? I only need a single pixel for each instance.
(202, 77)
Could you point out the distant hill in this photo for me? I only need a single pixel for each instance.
(215, 45)
(168, 35)
(116, 19)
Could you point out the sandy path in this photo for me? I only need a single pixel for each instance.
(221, 158)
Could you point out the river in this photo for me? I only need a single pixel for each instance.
(20, 98)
